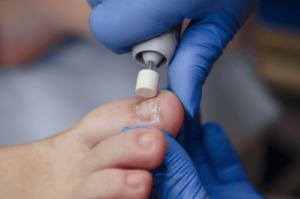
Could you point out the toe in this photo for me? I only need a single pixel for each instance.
(163, 112)
(114, 183)
(136, 149)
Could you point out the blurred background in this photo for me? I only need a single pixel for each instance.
(53, 73)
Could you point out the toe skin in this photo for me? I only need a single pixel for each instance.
(128, 150)
(172, 113)
(114, 183)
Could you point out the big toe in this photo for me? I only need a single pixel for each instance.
(164, 112)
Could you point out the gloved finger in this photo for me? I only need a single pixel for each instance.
(94, 3)
(193, 139)
(200, 46)
(176, 177)
(222, 157)
(180, 136)
(120, 24)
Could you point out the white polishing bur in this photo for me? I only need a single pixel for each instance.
(155, 52)
(147, 82)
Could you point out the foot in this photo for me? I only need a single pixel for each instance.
(93, 159)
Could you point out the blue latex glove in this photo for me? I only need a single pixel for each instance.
(176, 177)
(118, 24)
(216, 162)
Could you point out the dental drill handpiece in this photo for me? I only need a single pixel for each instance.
(154, 53)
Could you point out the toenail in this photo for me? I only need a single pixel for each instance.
(146, 140)
(135, 180)
(148, 110)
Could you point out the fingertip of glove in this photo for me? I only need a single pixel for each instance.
(93, 3)
(190, 112)
(190, 106)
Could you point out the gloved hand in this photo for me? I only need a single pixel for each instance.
(118, 24)
(210, 156)
(176, 177)
(216, 162)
